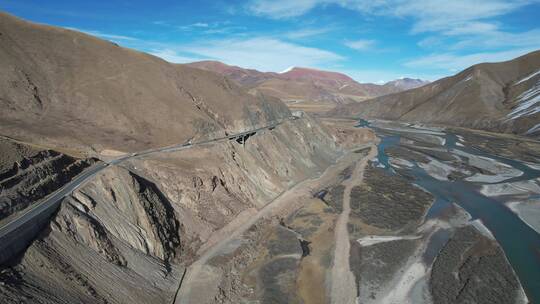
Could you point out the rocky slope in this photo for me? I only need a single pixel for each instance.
(67, 89)
(111, 242)
(127, 235)
(304, 84)
(502, 97)
(28, 174)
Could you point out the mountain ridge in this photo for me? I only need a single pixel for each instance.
(70, 89)
(302, 83)
(501, 97)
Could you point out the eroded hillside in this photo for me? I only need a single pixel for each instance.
(127, 234)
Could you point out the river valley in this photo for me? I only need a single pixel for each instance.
(432, 215)
(494, 179)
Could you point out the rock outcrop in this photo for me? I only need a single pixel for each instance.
(28, 174)
(111, 242)
(127, 235)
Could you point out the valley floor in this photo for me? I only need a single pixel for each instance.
(201, 278)
(373, 230)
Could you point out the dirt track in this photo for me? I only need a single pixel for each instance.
(343, 286)
(196, 284)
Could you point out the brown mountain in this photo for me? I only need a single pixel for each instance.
(502, 96)
(66, 88)
(244, 77)
(407, 83)
(302, 84)
(127, 234)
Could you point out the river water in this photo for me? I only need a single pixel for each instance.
(519, 241)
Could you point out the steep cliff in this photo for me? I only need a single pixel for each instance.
(28, 174)
(127, 235)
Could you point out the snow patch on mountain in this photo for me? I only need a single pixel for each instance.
(528, 77)
(287, 70)
(528, 103)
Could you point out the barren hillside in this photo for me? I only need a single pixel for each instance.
(492, 96)
(303, 84)
(64, 88)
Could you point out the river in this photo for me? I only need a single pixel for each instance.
(519, 241)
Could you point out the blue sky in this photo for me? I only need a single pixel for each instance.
(371, 41)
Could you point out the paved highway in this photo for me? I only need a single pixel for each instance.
(51, 200)
(54, 199)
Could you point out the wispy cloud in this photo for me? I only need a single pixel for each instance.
(279, 9)
(306, 33)
(197, 25)
(160, 22)
(497, 39)
(261, 53)
(172, 56)
(361, 45)
(429, 15)
(460, 19)
(455, 62)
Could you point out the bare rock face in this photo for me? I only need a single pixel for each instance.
(120, 199)
(210, 186)
(28, 174)
(127, 234)
(112, 242)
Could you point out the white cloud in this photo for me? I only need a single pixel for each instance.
(431, 42)
(172, 56)
(261, 53)
(451, 18)
(434, 15)
(197, 25)
(282, 8)
(431, 14)
(305, 33)
(361, 45)
(454, 62)
(200, 24)
(497, 39)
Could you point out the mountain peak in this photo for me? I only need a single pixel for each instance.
(287, 70)
(406, 83)
(311, 73)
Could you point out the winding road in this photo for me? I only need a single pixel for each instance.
(54, 199)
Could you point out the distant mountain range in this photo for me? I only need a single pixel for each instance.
(407, 83)
(306, 84)
(503, 97)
